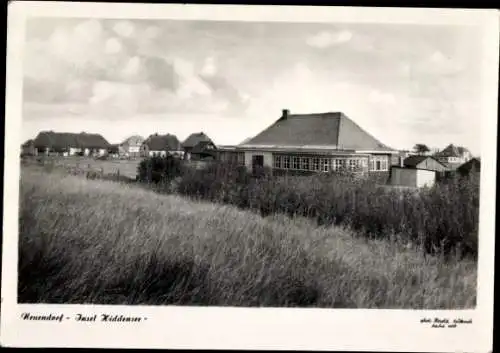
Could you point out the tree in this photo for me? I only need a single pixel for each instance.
(420, 148)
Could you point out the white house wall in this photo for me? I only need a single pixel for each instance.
(412, 177)
(425, 178)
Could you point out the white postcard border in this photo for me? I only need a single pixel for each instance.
(246, 328)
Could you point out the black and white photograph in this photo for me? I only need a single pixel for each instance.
(249, 163)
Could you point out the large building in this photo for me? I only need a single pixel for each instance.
(66, 143)
(319, 142)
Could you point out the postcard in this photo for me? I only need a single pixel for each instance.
(249, 177)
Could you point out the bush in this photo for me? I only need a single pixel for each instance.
(159, 169)
(442, 219)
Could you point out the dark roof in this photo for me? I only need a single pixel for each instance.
(452, 151)
(322, 129)
(413, 161)
(166, 142)
(195, 138)
(28, 143)
(200, 147)
(62, 140)
(474, 163)
(114, 148)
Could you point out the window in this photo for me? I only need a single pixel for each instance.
(277, 161)
(336, 164)
(315, 164)
(295, 163)
(379, 163)
(241, 158)
(304, 163)
(325, 164)
(286, 162)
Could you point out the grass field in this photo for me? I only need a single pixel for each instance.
(125, 167)
(89, 241)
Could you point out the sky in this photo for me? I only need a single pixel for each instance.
(404, 84)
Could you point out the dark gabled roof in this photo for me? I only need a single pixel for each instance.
(201, 147)
(28, 143)
(413, 161)
(62, 140)
(166, 142)
(452, 151)
(195, 138)
(474, 163)
(114, 148)
(333, 129)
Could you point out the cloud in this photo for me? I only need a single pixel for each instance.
(209, 67)
(124, 29)
(327, 39)
(113, 46)
(376, 96)
(94, 63)
(438, 63)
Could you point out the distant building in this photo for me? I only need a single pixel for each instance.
(472, 166)
(453, 156)
(194, 140)
(161, 145)
(28, 148)
(417, 171)
(424, 162)
(313, 143)
(131, 146)
(203, 150)
(113, 150)
(68, 144)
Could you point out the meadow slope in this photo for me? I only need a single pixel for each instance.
(89, 241)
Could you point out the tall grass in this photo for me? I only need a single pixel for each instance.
(442, 219)
(89, 241)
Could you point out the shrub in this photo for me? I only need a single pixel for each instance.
(443, 218)
(159, 169)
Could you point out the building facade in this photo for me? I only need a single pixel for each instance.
(196, 142)
(454, 156)
(161, 145)
(69, 144)
(131, 147)
(313, 143)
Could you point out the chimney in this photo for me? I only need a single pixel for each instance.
(285, 113)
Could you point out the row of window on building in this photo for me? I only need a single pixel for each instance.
(377, 163)
(323, 164)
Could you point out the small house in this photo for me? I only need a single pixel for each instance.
(161, 145)
(453, 156)
(203, 150)
(193, 140)
(131, 147)
(417, 171)
(472, 166)
(28, 148)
